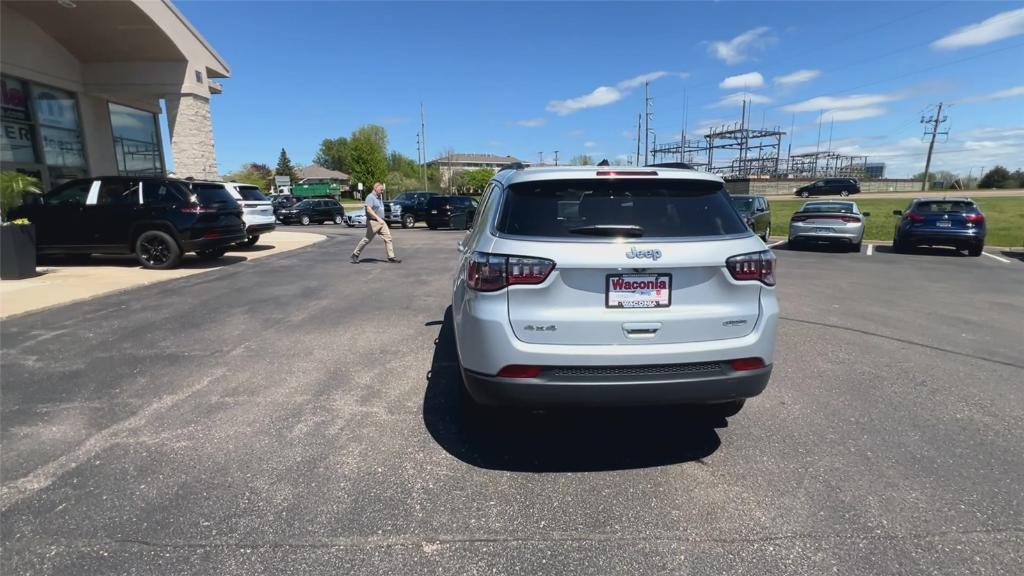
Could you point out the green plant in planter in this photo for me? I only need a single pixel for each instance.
(13, 186)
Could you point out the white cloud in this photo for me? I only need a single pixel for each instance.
(739, 48)
(737, 98)
(745, 81)
(797, 77)
(1008, 93)
(531, 122)
(998, 27)
(840, 102)
(590, 144)
(604, 95)
(848, 114)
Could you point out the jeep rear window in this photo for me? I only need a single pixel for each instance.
(212, 194)
(945, 206)
(438, 201)
(641, 207)
(251, 193)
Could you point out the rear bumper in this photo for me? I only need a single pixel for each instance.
(224, 239)
(438, 221)
(935, 238)
(797, 232)
(627, 390)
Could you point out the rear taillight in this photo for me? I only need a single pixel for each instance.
(517, 371)
(913, 217)
(798, 218)
(744, 364)
(974, 218)
(850, 219)
(754, 266)
(490, 272)
(197, 209)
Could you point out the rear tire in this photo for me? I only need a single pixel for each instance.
(725, 409)
(156, 250)
(251, 240)
(767, 234)
(855, 247)
(408, 221)
(212, 254)
(975, 250)
(432, 227)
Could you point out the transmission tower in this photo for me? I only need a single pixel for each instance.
(648, 116)
(933, 123)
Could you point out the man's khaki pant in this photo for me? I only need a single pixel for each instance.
(374, 228)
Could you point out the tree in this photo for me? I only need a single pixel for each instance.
(367, 162)
(375, 133)
(581, 160)
(474, 181)
(285, 167)
(997, 177)
(253, 173)
(333, 154)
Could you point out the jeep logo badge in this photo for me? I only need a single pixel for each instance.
(653, 254)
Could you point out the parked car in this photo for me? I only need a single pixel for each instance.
(756, 212)
(953, 222)
(156, 219)
(317, 210)
(451, 212)
(355, 218)
(828, 221)
(257, 212)
(613, 285)
(283, 201)
(408, 208)
(829, 186)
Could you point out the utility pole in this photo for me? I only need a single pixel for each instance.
(638, 116)
(647, 121)
(540, 158)
(682, 138)
(556, 157)
(423, 142)
(933, 123)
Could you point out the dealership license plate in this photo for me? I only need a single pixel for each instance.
(944, 224)
(433, 211)
(823, 230)
(638, 291)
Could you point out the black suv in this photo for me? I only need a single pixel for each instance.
(317, 210)
(451, 212)
(156, 219)
(408, 208)
(756, 212)
(828, 186)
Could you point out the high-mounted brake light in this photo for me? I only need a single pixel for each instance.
(758, 266)
(491, 272)
(627, 172)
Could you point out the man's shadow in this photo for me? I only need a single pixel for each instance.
(563, 440)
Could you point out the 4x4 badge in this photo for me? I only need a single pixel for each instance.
(653, 254)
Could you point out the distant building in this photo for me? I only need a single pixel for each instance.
(874, 170)
(317, 173)
(452, 163)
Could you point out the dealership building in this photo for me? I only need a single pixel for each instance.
(82, 85)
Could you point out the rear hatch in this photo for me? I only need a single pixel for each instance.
(254, 203)
(943, 216)
(826, 218)
(217, 207)
(624, 242)
(439, 207)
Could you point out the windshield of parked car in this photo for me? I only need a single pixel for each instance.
(743, 204)
(620, 207)
(843, 207)
(438, 201)
(251, 193)
(945, 206)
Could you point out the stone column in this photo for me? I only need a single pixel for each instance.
(188, 117)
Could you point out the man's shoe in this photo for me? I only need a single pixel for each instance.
(395, 260)
(355, 259)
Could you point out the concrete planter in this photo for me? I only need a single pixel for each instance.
(17, 251)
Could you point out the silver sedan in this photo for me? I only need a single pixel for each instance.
(355, 218)
(831, 221)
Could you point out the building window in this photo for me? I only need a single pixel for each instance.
(60, 133)
(19, 144)
(136, 141)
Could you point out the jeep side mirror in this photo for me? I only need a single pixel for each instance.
(897, 212)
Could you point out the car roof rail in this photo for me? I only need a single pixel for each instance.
(679, 165)
(512, 166)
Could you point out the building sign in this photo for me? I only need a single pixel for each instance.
(17, 144)
(14, 97)
(282, 181)
(56, 108)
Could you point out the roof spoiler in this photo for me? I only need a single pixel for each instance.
(512, 166)
(679, 165)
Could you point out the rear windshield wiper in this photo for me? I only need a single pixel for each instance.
(630, 230)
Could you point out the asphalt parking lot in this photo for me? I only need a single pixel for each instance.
(300, 415)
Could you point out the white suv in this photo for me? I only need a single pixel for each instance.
(613, 285)
(257, 210)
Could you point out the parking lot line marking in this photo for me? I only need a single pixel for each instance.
(1000, 258)
(871, 249)
(774, 244)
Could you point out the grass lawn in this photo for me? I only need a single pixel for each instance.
(1004, 217)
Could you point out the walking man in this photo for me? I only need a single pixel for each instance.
(375, 225)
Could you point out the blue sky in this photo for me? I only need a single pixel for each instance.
(520, 78)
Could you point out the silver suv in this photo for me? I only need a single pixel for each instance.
(613, 286)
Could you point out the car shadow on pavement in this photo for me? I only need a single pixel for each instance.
(923, 251)
(1014, 254)
(825, 247)
(188, 261)
(563, 440)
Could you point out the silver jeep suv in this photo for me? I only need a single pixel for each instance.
(613, 286)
